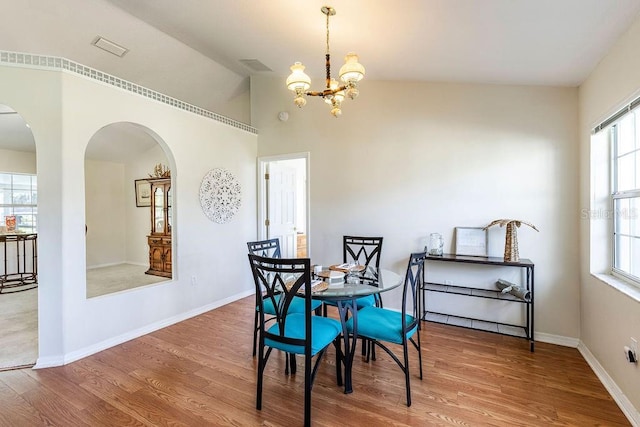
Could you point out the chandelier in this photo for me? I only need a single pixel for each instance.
(350, 74)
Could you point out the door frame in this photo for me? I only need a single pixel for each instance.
(262, 165)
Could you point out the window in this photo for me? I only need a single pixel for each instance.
(19, 197)
(625, 196)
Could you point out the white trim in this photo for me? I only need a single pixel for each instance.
(618, 396)
(64, 359)
(262, 190)
(620, 285)
(46, 62)
(556, 339)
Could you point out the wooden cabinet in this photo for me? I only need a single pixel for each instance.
(160, 238)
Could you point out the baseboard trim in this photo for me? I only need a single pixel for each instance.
(53, 361)
(618, 396)
(557, 339)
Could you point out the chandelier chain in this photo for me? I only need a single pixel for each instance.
(328, 34)
(328, 56)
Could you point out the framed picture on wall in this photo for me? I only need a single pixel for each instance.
(143, 193)
(471, 241)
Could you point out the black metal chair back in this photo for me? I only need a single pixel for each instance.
(413, 283)
(267, 248)
(364, 250)
(281, 283)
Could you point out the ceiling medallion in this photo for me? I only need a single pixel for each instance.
(350, 74)
(220, 195)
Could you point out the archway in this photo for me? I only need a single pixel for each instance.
(119, 159)
(18, 220)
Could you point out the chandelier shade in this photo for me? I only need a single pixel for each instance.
(298, 79)
(334, 93)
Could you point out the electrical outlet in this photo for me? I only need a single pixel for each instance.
(631, 352)
(194, 280)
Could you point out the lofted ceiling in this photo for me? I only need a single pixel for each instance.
(530, 42)
(193, 49)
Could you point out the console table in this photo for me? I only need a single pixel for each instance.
(20, 254)
(524, 331)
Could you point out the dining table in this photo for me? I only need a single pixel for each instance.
(344, 293)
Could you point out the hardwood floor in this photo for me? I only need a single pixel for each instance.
(200, 372)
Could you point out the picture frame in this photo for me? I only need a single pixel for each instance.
(143, 193)
(471, 241)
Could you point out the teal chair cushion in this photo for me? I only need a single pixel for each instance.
(297, 305)
(381, 324)
(323, 331)
(362, 302)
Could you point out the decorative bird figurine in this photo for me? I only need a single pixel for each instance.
(511, 242)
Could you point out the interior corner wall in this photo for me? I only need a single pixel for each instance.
(105, 213)
(609, 317)
(55, 104)
(408, 159)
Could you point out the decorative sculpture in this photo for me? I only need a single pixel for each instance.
(511, 242)
(220, 195)
(513, 289)
(160, 171)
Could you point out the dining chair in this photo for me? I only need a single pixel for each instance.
(364, 251)
(380, 325)
(270, 248)
(294, 332)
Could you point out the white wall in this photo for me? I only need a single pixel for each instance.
(70, 326)
(408, 159)
(117, 229)
(17, 161)
(609, 317)
(105, 213)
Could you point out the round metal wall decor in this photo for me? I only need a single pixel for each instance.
(220, 195)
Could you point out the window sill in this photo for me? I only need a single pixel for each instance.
(626, 288)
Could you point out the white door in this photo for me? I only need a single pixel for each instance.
(282, 206)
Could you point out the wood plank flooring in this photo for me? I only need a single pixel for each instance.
(200, 372)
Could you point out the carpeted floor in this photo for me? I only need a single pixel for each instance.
(19, 333)
(116, 278)
(19, 310)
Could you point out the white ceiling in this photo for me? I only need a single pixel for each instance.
(539, 42)
(524, 42)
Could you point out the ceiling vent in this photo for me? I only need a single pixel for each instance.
(255, 65)
(110, 46)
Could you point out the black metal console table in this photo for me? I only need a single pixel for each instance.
(20, 262)
(436, 317)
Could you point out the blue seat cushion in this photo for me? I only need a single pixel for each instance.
(362, 302)
(297, 305)
(381, 324)
(323, 331)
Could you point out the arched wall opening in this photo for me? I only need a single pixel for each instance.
(18, 240)
(120, 160)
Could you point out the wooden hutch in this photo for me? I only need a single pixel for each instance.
(160, 237)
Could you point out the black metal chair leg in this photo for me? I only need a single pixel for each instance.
(307, 391)
(292, 363)
(406, 372)
(255, 334)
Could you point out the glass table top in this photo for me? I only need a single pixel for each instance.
(370, 281)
